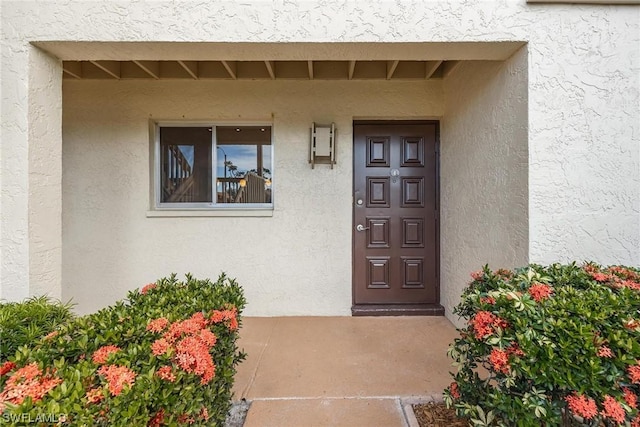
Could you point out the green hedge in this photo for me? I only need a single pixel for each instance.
(555, 345)
(21, 323)
(165, 356)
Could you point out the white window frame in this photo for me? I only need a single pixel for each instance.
(159, 209)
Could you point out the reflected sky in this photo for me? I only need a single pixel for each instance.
(244, 157)
(187, 152)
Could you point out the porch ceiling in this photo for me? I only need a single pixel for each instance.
(256, 70)
(270, 61)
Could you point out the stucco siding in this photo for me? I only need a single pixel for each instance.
(296, 262)
(484, 174)
(584, 141)
(582, 98)
(45, 175)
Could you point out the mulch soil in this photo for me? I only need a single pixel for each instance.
(437, 415)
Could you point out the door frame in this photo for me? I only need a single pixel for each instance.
(397, 309)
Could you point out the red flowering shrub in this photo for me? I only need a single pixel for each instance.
(167, 356)
(27, 382)
(556, 345)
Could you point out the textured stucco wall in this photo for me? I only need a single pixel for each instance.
(30, 175)
(45, 175)
(584, 138)
(583, 98)
(296, 262)
(483, 165)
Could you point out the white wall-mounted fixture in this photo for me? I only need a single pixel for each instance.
(322, 146)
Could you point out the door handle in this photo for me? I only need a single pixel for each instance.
(360, 227)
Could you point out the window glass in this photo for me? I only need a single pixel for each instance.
(241, 173)
(185, 164)
(243, 168)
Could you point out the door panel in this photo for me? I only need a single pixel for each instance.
(395, 203)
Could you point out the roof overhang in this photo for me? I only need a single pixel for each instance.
(196, 60)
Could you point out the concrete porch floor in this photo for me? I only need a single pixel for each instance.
(341, 371)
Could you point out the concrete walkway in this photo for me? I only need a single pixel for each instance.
(341, 371)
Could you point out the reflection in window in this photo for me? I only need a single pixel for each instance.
(243, 164)
(243, 168)
(185, 164)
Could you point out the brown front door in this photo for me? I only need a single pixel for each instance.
(395, 218)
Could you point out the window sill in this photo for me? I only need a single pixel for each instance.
(187, 213)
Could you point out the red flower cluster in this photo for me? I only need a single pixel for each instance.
(514, 349)
(625, 273)
(487, 300)
(226, 315)
(166, 374)
(192, 355)
(157, 420)
(600, 277)
(485, 322)
(28, 381)
(157, 325)
(102, 354)
(477, 275)
(204, 413)
(160, 346)
(630, 398)
(616, 277)
(631, 284)
(582, 406)
(632, 324)
(208, 337)
(634, 372)
(504, 273)
(186, 419)
(500, 360)
(94, 395)
(605, 351)
(6, 367)
(117, 377)
(540, 292)
(147, 288)
(453, 390)
(192, 325)
(192, 341)
(613, 409)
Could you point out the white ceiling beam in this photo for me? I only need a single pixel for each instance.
(74, 69)
(391, 68)
(430, 69)
(150, 67)
(190, 67)
(352, 68)
(310, 67)
(231, 68)
(110, 67)
(270, 69)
